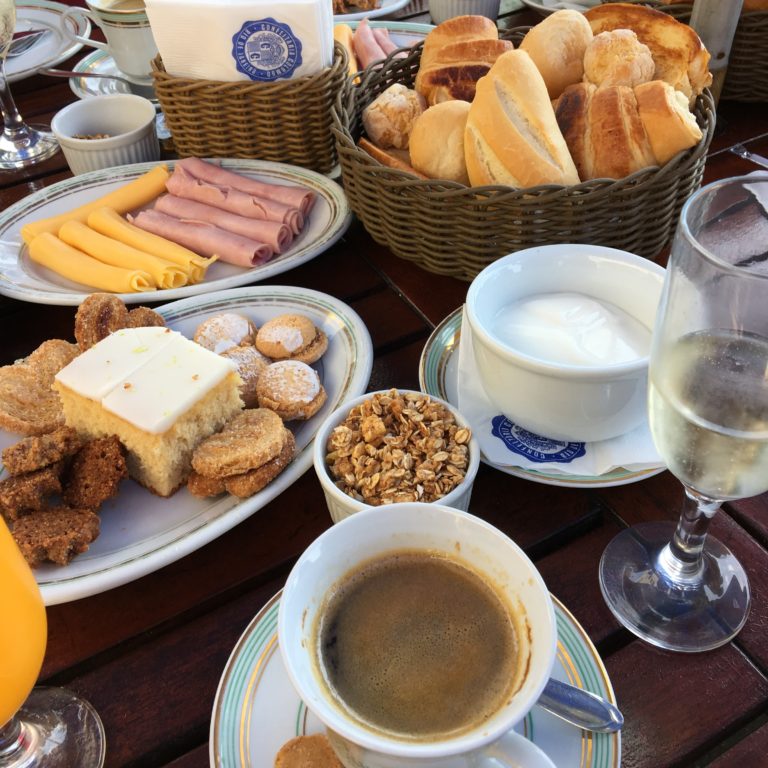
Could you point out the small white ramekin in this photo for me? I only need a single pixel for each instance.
(342, 505)
(127, 120)
(442, 10)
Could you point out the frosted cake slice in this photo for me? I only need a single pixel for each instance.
(159, 392)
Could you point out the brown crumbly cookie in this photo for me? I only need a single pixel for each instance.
(28, 405)
(40, 451)
(291, 389)
(291, 337)
(21, 494)
(247, 441)
(95, 473)
(250, 364)
(98, 316)
(251, 482)
(203, 487)
(223, 331)
(144, 317)
(307, 752)
(55, 534)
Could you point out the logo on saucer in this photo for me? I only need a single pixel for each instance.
(534, 447)
(266, 50)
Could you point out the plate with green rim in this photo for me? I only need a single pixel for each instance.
(256, 710)
(438, 374)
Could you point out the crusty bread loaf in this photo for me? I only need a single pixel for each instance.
(388, 119)
(437, 141)
(452, 71)
(392, 158)
(557, 46)
(678, 53)
(617, 57)
(669, 124)
(512, 135)
(603, 130)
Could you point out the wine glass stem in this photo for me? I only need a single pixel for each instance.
(12, 120)
(681, 560)
(11, 740)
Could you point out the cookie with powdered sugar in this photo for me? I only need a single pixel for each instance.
(291, 337)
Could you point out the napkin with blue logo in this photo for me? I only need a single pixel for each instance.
(507, 444)
(232, 40)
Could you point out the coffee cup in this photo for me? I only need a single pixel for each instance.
(420, 635)
(126, 27)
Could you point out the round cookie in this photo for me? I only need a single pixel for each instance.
(97, 317)
(291, 389)
(254, 480)
(250, 365)
(220, 332)
(306, 751)
(291, 337)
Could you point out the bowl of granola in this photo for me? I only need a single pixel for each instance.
(395, 446)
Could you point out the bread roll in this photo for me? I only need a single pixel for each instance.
(668, 122)
(512, 135)
(603, 130)
(393, 158)
(557, 46)
(617, 57)
(388, 119)
(452, 71)
(437, 142)
(678, 53)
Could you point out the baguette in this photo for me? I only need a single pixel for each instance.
(512, 136)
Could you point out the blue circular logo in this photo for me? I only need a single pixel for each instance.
(266, 50)
(534, 447)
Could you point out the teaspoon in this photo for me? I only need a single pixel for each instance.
(137, 88)
(580, 707)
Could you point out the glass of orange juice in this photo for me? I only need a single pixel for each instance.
(40, 727)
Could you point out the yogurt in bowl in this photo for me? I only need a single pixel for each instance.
(561, 338)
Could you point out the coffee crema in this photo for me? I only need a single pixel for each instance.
(417, 645)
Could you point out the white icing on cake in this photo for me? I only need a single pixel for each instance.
(147, 376)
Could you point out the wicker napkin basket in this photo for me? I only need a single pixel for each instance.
(288, 121)
(747, 76)
(455, 230)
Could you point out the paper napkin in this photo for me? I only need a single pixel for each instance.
(232, 40)
(505, 443)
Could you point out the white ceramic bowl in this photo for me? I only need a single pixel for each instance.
(442, 10)
(342, 505)
(562, 401)
(128, 121)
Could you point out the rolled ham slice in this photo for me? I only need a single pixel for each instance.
(367, 48)
(183, 184)
(204, 238)
(383, 39)
(275, 234)
(292, 195)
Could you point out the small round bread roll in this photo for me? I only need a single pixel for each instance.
(437, 142)
(223, 331)
(557, 45)
(618, 58)
(389, 118)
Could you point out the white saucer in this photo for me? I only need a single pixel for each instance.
(256, 709)
(100, 62)
(438, 376)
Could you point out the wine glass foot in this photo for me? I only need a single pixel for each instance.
(26, 146)
(58, 730)
(696, 614)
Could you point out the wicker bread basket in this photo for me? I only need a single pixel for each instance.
(288, 121)
(455, 230)
(747, 76)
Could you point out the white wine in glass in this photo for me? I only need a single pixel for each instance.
(40, 727)
(676, 586)
(20, 144)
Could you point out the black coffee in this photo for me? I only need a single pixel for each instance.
(417, 645)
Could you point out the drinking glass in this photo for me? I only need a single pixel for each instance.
(676, 586)
(49, 727)
(20, 144)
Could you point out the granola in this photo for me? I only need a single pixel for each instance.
(397, 447)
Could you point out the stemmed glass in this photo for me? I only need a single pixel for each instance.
(49, 727)
(675, 586)
(20, 144)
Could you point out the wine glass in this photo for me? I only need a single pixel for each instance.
(49, 727)
(20, 144)
(675, 586)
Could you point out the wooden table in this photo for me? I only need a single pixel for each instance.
(149, 654)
